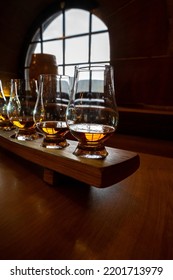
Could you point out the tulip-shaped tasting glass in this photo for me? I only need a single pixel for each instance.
(92, 115)
(5, 86)
(50, 109)
(20, 108)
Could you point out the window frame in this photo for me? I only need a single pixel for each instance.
(38, 38)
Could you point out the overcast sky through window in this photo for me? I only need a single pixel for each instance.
(76, 49)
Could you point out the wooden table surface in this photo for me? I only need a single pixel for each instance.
(132, 219)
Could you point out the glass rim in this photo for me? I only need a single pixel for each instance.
(93, 67)
(54, 75)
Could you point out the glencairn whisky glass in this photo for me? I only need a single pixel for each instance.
(50, 110)
(20, 108)
(5, 86)
(92, 114)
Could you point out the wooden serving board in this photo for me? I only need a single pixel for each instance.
(118, 165)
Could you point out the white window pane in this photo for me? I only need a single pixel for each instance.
(38, 48)
(54, 29)
(60, 70)
(69, 70)
(54, 48)
(76, 50)
(77, 22)
(97, 24)
(100, 47)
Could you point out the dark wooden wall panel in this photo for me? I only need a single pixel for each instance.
(144, 81)
(139, 29)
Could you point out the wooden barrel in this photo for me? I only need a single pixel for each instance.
(42, 63)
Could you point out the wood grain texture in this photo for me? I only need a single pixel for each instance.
(118, 165)
(129, 220)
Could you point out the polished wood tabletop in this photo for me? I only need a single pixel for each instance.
(120, 163)
(132, 219)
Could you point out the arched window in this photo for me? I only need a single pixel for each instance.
(75, 37)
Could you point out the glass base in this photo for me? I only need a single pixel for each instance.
(26, 136)
(6, 126)
(92, 152)
(54, 143)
